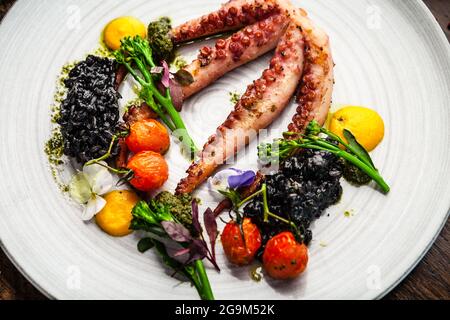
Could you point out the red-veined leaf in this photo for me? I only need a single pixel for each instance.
(211, 229)
(177, 232)
(195, 221)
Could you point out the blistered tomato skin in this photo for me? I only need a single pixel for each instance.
(237, 251)
(284, 258)
(148, 135)
(150, 170)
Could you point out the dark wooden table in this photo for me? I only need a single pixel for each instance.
(429, 280)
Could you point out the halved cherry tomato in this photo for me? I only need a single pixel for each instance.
(237, 251)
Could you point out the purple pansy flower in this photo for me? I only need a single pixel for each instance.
(241, 179)
(231, 179)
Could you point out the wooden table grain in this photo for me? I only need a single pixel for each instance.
(429, 280)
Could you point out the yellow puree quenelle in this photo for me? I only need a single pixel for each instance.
(120, 28)
(365, 124)
(115, 217)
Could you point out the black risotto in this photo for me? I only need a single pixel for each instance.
(90, 113)
(300, 191)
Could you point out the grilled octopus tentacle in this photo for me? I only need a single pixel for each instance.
(232, 15)
(260, 105)
(316, 88)
(228, 54)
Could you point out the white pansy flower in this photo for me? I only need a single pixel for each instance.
(87, 187)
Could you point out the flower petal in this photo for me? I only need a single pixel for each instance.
(220, 180)
(99, 177)
(79, 188)
(241, 180)
(156, 70)
(165, 80)
(94, 206)
(103, 182)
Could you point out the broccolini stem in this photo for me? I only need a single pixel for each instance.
(166, 102)
(205, 290)
(345, 144)
(134, 74)
(151, 102)
(176, 118)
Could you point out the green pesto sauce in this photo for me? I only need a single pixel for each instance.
(234, 97)
(54, 146)
(103, 50)
(179, 62)
(348, 213)
(133, 102)
(180, 206)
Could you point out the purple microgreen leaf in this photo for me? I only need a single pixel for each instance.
(241, 180)
(181, 252)
(165, 80)
(211, 229)
(197, 250)
(195, 221)
(156, 70)
(214, 263)
(177, 232)
(176, 93)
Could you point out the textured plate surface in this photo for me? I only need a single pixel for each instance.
(390, 56)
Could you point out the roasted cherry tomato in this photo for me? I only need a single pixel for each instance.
(150, 170)
(148, 135)
(237, 251)
(285, 258)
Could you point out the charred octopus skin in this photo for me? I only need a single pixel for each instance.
(228, 54)
(233, 15)
(259, 106)
(316, 88)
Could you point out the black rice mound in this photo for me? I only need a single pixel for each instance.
(89, 115)
(305, 185)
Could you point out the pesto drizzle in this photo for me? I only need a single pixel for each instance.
(54, 146)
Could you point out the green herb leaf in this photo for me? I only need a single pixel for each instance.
(233, 195)
(358, 149)
(145, 244)
(183, 77)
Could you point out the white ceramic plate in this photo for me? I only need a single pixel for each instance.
(390, 56)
